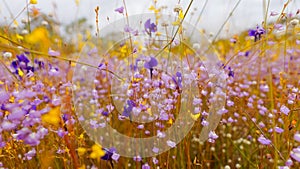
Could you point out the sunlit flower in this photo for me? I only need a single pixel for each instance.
(97, 151)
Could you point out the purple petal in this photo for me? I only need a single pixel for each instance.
(120, 10)
(285, 110)
(171, 143)
(53, 52)
(264, 140)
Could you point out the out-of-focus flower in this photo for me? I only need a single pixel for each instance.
(295, 154)
(145, 166)
(33, 2)
(52, 117)
(212, 136)
(120, 10)
(150, 27)
(279, 130)
(81, 151)
(178, 79)
(285, 110)
(294, 22)
(297, 137)
(171, 143)
(108, 153)
(97, 151)
(256, 33)
(274, 13)
(30, 154)
(264, 140)
(53, 52)
(128, 108)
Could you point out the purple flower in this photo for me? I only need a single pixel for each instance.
(128, 108)
(285, 110)
(127, 29)
(178, 79)
(231, 73)
(16, 115)
(212, 135)
(115, 156)
(264, 140)
(53, 52)
(154, 160)
(32, 139)
(120, 10)
(150, 65)
(256, 33)
(7, 125)
(155, 149)
(61, 133)
(108, 153)
(23, 133)
(146, 166)
(150, 27)
(289, 162)
(295, 154)
(137, 158)
(297, 137)
(279, 130)
(23, 58)
(4, 96)
(171, 143)
(93, 51)
(30, 154)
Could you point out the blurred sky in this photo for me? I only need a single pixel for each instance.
(248, 14)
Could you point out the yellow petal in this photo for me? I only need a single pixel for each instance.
(52, 117)
(195, 116)
(81, 151)
(97, 151)
(33, 1)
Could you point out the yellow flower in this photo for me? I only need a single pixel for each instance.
(52, 117)
(39, 37)
(97, 151)
(81, 151)
(33, 1)
(195, 116)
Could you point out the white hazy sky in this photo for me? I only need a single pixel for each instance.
(248, 14)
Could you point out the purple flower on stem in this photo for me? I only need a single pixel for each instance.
(212, 136)
(128, 108)
(178, 79)
(151, 64)
(256, 33)
(150, 27)
(120, 10)
(108, 153)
